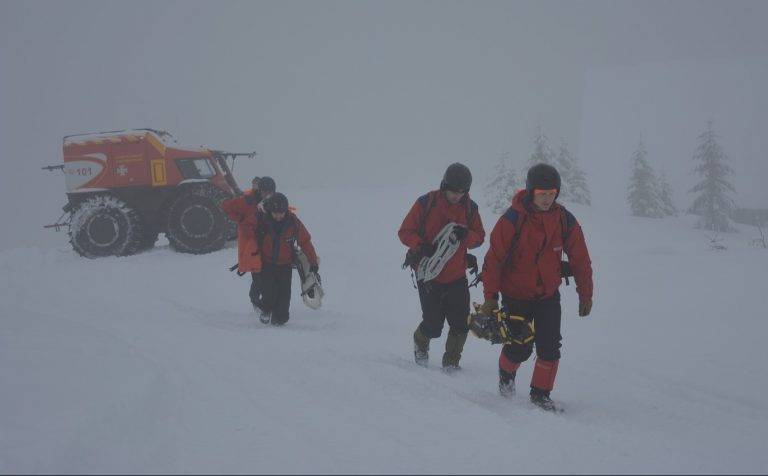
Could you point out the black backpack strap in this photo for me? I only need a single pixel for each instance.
(513, 216)
(295, 236)
(567, 222)
(260, 231)
(471, 211)
(428, 202)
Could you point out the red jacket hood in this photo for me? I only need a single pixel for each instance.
(518, 201)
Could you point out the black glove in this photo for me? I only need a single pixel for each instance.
(412, 257)
(314, 268)
(460, 231)
(472, 263)
(427, 249)
(489, 307)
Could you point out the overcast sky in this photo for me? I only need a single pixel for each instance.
(338, 92)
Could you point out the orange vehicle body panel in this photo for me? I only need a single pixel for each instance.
(127, 160)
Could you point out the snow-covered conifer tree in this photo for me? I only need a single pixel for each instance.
(542, 151)
(713, 202)
(642, 194)
(574, 182)
(665, 196)
(502, 184)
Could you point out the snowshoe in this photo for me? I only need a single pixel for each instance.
(447, 244)
(311, 291)
(485, 327)
(501, 328)
(311, 286)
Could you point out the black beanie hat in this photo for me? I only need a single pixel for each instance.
(267, 184)
(542, 177)
(277, 203)
(457, 177)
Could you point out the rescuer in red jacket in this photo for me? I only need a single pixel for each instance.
(242, 210)
(524, 264)
(446, 297)
(276, 230)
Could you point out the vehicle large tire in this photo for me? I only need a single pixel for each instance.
(104, 225)
(195, 222)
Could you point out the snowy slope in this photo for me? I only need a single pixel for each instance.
(155, 363)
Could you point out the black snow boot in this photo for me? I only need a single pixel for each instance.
(420, 347)
(541, 399)
(507, 383)
(265, 317)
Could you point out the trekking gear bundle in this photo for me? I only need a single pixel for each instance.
(311, 286)
(446, 242)
(500, 327)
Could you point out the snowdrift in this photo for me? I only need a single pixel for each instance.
(156, 362)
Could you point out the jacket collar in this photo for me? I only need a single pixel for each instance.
(522, 203)
(441, 196)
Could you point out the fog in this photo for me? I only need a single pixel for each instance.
(157, 362)
(335, 93)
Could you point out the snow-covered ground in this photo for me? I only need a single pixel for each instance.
(156, 363)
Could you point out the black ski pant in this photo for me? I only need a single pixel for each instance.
(545, 314)
(255, 292)
(441, 302)
(275, 283)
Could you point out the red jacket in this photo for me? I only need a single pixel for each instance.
(277, 239)
(242, 210)
(440, 214)
(533, 269)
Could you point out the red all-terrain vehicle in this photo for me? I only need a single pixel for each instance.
(126, 187)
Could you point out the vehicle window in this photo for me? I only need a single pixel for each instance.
(218, 168)
(195, 168)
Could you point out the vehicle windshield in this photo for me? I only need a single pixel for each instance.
(196, 168)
